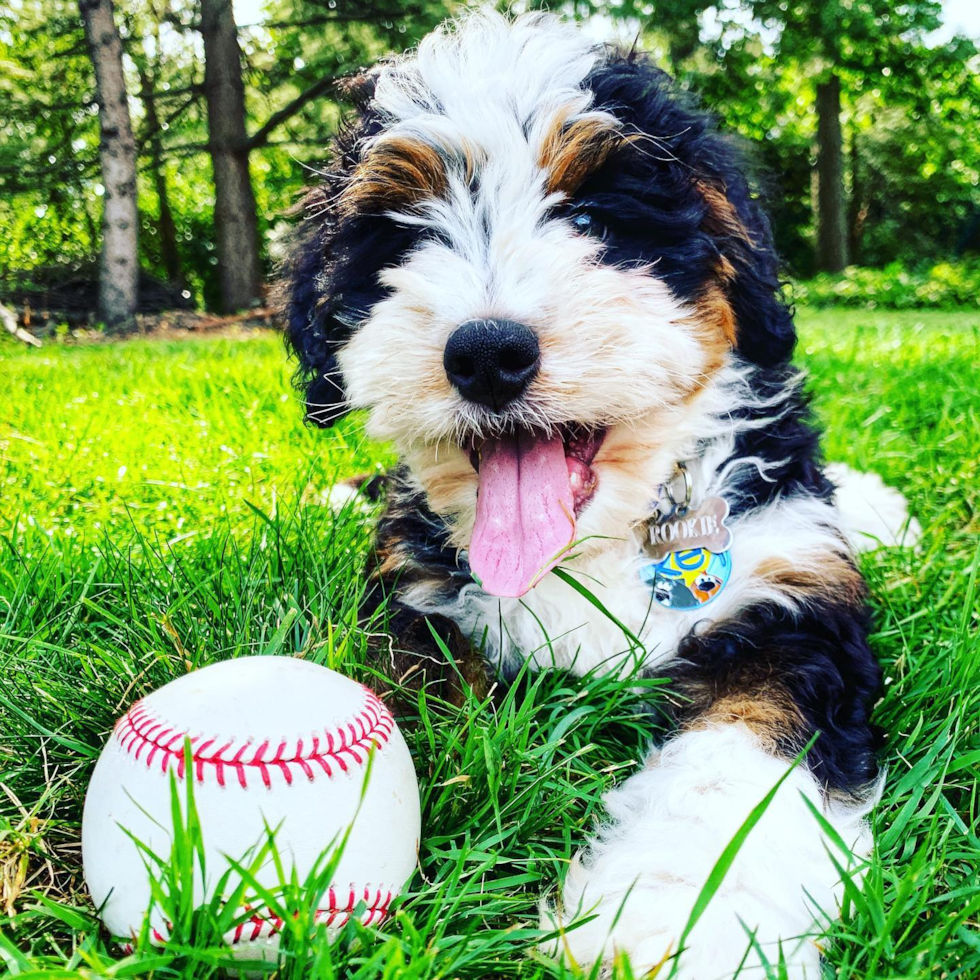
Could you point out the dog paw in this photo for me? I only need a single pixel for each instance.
(633, 891)
(874, 515)
(647, 923)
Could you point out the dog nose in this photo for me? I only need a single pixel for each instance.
(491, 362)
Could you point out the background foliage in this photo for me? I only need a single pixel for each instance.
(910, 115)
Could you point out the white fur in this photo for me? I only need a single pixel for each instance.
(342, 496)
(489, 95)
(482, 78)
(667, 827)
(874, 515)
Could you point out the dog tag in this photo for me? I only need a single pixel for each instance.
(691, 563)
(701, 528)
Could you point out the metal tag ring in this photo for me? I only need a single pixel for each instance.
(680, 509)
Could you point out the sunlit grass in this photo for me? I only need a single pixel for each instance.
(162, 507)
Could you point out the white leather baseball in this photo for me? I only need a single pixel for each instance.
(275, 741)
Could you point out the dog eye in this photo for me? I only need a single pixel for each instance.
(588, 224)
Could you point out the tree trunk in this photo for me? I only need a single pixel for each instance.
(166, 228)
(831, 203)
(857, 211)
(236, 225)
(119, 270)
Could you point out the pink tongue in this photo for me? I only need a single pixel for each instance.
(524, 513)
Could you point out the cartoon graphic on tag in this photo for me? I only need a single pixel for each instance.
(688, 579)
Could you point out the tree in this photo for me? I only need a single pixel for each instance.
(169, 251)
(907, 114)
(236, 226)
(235, 219)
(914, 152)
(147, 58)
(49, 130)
(119, 266)
(837, 40)
(832, 243)
(49, 138)
(835, 43)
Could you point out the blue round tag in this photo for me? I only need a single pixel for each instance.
(688, 579)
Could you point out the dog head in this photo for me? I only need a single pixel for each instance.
(534, 264)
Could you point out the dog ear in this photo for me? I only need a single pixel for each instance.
(358, 88)
(713, 240)
(329, 280)
(307, 309)
(748, 273)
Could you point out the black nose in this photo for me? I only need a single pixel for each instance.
(491, 362)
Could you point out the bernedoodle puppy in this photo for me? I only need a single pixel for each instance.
(544, 274)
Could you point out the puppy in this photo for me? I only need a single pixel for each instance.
(544, 275)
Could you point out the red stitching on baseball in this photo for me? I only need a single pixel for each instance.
(264, 924)
(146, 738)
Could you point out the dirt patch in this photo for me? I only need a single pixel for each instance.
(163, 325)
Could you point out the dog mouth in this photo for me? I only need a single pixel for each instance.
(532, 487)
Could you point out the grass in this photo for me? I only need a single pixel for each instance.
(162, 507)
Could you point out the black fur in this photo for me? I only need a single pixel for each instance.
(789, 443)
(331, 282)
(819, 659)
(650, 198)
(419, 538)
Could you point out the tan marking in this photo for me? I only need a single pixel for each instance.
(754, 696)
(390, 560)
(769, 712)
(449, 485)
(391, 555)
(828, 573)
(715, 310)
(722, 217)
(397, 172)
(712, 325)
(725, 270)
(571, 153)
(722, 220)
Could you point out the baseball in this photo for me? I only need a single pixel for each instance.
(275, 742)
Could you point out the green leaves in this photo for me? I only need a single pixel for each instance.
(944, 286)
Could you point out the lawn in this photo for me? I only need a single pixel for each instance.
(163, 507)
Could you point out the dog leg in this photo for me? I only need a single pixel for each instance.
(750, 695)
(874, 515)
(668, 826)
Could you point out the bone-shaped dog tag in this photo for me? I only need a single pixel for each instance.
(700, 528)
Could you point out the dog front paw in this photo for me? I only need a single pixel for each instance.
(646, 923)
(634, 890)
